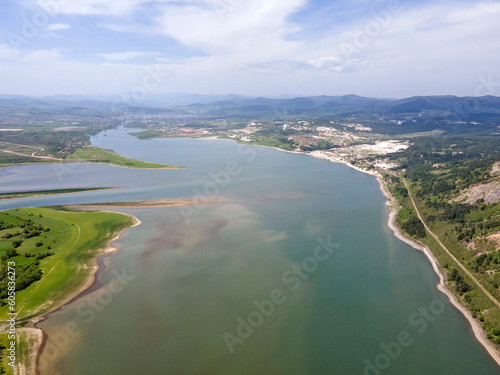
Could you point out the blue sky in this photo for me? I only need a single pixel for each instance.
(394, 48)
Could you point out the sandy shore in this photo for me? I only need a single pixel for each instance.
(275, 148)
(38, 346)
(391, 223)
(32, 337)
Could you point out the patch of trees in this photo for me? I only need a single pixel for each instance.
(485, 260)
(448, 150)
(471, 220)
(26, 274)
(401, 191)
(2, 347)
(29, 230)
(414, 227)
(410, 223)
(322, 145)
(28, 270)
(10, 253)
(455, 212)
(4, 225)
(461, 286)
(39, 256)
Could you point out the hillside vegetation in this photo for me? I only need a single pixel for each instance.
(439, 172)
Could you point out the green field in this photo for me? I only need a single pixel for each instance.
(19, 148)
(101, 155)
(70, 239)
(59, 247)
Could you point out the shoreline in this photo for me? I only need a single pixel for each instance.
(391, 223)
(477, 329)
(275, 148)
(77, 294)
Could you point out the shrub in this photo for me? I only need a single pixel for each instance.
(17, 243)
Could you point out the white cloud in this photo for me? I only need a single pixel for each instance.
(322, 63)
(121, 56)
(92, 7)
(17, 57)
(438, 47)
(58, 26)
(41, 55)
(246, 30)
(101, 7)
(334, 63)
(6, 52)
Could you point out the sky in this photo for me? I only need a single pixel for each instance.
(389, 49)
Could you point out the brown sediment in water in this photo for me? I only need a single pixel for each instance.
(88, 283)
(91, 280)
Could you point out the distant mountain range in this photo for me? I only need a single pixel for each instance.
(232, 105)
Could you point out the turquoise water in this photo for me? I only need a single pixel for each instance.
(293, 272)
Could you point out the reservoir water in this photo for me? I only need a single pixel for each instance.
(293, 271)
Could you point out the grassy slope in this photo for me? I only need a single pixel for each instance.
(475, 300)
(74, 237)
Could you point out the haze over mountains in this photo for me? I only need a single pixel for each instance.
(232, 104)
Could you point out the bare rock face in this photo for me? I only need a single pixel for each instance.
(495, 170)
(495, 238)
(489, 191)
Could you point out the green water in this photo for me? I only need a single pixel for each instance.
(298, 251)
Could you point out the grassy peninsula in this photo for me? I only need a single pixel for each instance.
(54, 255)
(62, 146)
(100, 155)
